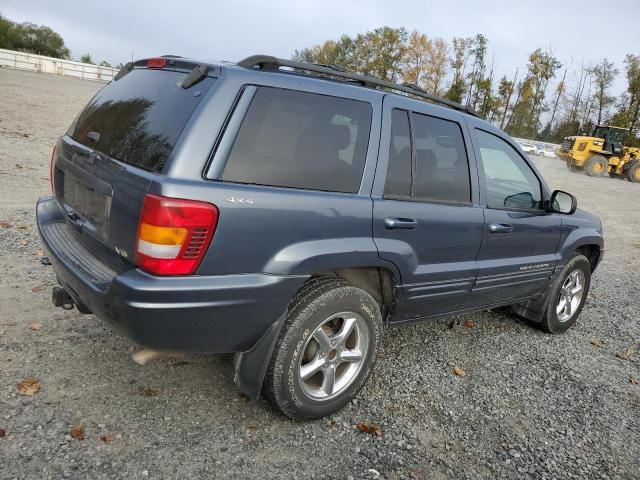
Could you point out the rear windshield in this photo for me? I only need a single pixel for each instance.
(139, 118)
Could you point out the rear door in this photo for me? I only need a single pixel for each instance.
(425, 216)
(117, 145)
(520, 239)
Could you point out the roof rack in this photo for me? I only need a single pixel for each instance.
(267, 62)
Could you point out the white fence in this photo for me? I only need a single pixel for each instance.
(55, 66)
(536, 142)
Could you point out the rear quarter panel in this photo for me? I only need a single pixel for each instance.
(273, 229)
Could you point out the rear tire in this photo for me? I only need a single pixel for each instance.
(326, 351)
(567, 296)
(633, 173)
(596, 166)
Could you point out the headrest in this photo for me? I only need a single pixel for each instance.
(339, 136)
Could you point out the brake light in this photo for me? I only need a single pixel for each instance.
(156, 62)
(51, 166)
(174, 234)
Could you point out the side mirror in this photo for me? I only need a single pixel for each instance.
(563, 202)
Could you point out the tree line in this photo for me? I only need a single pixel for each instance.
(39, 39)
(544, 100)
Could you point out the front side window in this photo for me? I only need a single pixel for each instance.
(301, 140)
(511, 183)
(430, 165)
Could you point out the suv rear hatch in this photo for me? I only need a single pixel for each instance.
(120, 142)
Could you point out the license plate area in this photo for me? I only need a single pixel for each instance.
(91, 204)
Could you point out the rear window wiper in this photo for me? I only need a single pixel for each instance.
(123, 71)
(198, 74)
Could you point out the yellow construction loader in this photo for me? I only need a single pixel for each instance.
(602, 153)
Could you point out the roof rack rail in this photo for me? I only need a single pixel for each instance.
(267, 62)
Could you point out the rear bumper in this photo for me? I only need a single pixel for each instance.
(225, 313)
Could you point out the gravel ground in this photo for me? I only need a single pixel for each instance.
(530, 405)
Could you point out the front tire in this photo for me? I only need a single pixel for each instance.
(633, 173)
(596, 166)
(326, 350)
(567, 295)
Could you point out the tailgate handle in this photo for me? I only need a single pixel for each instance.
(400, 223)
(75, 221)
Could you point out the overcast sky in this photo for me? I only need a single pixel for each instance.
(230, 30)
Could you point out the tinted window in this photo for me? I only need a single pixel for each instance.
(442, 168)
(399, 170)
(301, 140)
(139, 118)
(510, 181)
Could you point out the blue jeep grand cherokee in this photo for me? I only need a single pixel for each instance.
(287, 211)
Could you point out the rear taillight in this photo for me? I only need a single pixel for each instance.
(174, 234)
(51, 166)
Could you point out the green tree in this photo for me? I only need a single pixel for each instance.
(479, 53)
(104, 63)
(604, 73)
(458, 62)
(628, 112)
(379, 52)
(86, 58)
(28, 37)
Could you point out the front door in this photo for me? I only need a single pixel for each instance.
(424, 217)
(520, 240)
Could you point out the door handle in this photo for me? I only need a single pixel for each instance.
(500, 228)
(400, 223)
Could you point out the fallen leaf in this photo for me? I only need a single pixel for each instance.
(106, 437)
(36, 326)
(29, 386)
(38, 288)
(628, 353)
(23, 227)
(468, 323)
(596, 343)
(77, 433)
(380, 354)
(459, 372)
(252, 428)
(39, 253)
(369, 428)
(332, 424)
(3, 432)
(416, 474)
(634, 381)
(23, 243)
(150, 392)
(5, 225)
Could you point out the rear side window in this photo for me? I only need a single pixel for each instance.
(398, 182)
(301, 140)
(431, 164)
(139, 118)
(442, 168)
